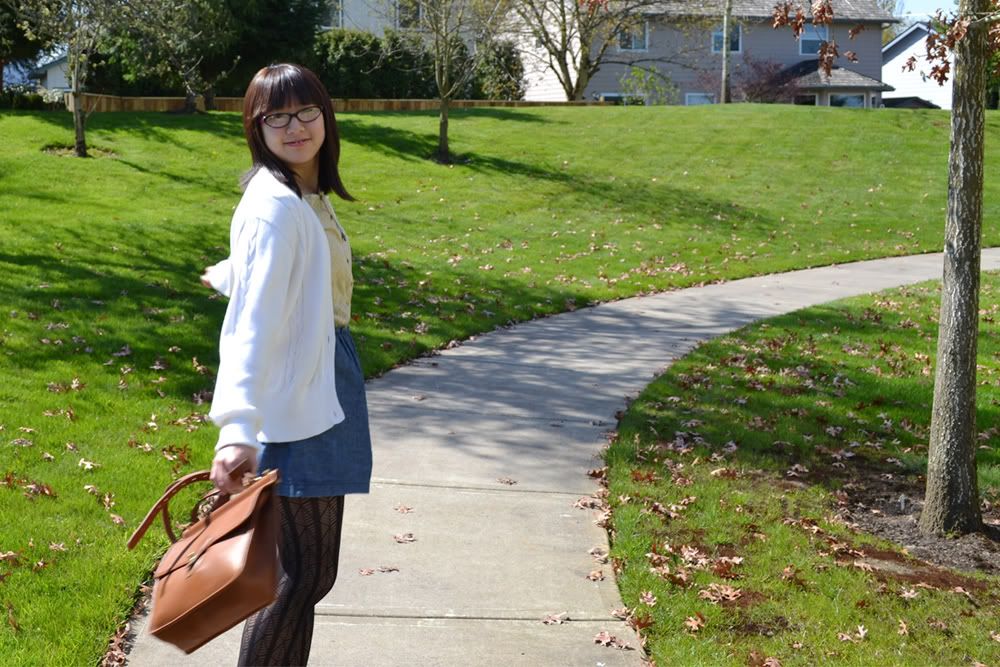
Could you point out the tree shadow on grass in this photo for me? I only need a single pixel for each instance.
(497, 113)
(643, 198)
(160, 127)
(812, 420)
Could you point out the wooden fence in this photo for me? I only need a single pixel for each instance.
(94, 102)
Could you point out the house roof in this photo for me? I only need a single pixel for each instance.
(908, 103)
(843, 10)
(904, 40)
(44, 66)
(807, 75)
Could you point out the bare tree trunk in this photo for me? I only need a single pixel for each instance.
(443, 153)
(727, 19)
(190, 102)
(209, 96)
(951, 504)
(79, 118)
(582, 80)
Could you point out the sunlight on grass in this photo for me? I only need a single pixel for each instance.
(735, 477)
(109, 342)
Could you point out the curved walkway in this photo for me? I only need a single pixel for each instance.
(489, 444)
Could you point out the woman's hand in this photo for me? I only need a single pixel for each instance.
(230, 464)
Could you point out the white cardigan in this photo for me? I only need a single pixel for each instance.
(276, 350)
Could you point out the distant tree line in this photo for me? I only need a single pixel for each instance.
(213, 47)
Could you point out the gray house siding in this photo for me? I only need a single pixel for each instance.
(686, 55)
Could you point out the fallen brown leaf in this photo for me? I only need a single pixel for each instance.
(695, 623)
(11, 619)
(604, 638)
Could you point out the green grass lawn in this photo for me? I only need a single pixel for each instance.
(730, 475)
(109, 342)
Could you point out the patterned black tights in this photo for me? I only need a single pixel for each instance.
(281, 634)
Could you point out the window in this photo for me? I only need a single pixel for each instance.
(812, 36)
(634, 38)
(856, 101)
(335, 14)
(408, 13)
(691, 99)
(805, 100)
(610, 98)
(735, 41)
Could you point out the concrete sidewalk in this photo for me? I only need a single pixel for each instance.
(528, 405)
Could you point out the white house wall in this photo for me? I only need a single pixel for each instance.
(56, 76)
(918, 82)
(372, 16)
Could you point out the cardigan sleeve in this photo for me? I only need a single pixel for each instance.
(262, 261)
(220, 277)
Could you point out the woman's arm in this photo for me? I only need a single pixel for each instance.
(262, 262)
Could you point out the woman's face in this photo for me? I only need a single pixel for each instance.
(298, 142)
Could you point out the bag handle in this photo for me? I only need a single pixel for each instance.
(162, 505)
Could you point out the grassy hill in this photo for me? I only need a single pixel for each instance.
(108, 340)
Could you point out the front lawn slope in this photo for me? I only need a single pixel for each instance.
(108, 341)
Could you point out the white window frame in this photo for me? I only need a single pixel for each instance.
(739, 39)
(863, 96)
(816, 33)
(420, 15)
(340, 16)
(688, 96)
(631, 33)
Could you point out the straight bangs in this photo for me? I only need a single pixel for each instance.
(282, 89)
(280, 86)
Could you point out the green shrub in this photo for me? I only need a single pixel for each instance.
(501, 74)
(26, 98)
(353, 63)
(408, 67)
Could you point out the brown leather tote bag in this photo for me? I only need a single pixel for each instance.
(223, 568)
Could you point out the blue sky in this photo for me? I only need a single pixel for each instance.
(919, 9)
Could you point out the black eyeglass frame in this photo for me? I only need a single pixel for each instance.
(267, 118)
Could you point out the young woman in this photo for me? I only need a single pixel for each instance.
(290, 393)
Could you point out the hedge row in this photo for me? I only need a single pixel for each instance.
(358, 64)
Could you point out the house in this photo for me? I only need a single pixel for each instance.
(52, 74)
(374, 16)
(682, 39)
(916, 83)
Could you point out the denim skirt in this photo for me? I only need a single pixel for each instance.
(339, 460)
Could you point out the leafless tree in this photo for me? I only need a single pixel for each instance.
(951, 501)
(578, 37)
(78, 26)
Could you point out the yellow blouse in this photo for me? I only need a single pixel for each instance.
(340, 258)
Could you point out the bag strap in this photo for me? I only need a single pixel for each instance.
(162, 504)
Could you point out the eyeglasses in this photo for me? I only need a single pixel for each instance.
(280, 120)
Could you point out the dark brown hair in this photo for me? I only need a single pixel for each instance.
(277, 86)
